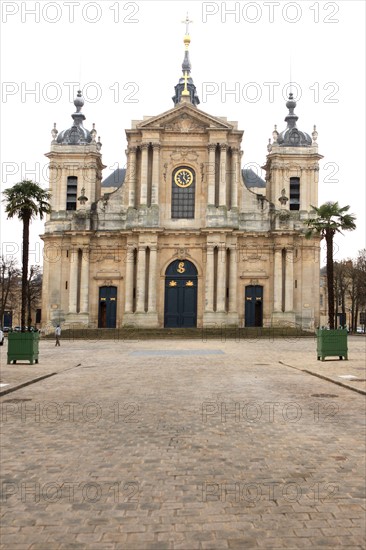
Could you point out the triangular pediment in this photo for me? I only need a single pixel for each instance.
(184, 118)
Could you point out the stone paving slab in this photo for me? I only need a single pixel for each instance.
(297, 353)
(229, 450)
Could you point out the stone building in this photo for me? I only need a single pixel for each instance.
(183, 237)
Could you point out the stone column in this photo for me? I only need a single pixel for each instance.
(129, 279)
(221, 278)
(233, 280)
(209, 290)
(152, 280)
(223, 169)
(277, 280)
(144, 161)
(211, 174)
(84, 282)
(289, 289)
(155, 174)
(140, 285)
(73, 280)
(235, 173)
(131, 173)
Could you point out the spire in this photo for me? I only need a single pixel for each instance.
(185, 90)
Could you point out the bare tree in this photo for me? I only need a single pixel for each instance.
(9, 284)
(34, 290)
(360, 266)
(341, 285)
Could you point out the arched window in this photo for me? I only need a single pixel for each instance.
(183, 192)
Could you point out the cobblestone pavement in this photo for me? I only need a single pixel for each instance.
(183, 444)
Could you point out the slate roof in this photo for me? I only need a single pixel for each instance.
(251, 179)
(115, 179)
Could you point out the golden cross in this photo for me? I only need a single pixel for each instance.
(185, 91)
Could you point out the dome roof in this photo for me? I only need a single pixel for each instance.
(77, 134)
(292, 136)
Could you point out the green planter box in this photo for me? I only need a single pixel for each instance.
(23, 346)
(332, 343)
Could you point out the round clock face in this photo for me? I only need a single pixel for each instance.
(183, 177)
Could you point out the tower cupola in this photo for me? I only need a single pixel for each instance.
(77, 134)
(292, 136)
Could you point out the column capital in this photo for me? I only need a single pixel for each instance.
(223, 146)
(132, 149)
(156, 146)
(211, 146)
(144, 146)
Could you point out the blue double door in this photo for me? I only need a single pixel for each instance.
(180, 309)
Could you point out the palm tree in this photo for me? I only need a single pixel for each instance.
(330, 219)
(26, 200)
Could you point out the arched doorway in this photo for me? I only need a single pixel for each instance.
(253, 306)
(107, 307)
(180, 309)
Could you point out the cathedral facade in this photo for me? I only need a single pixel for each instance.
(183, 237)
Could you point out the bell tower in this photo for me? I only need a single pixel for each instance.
(75, 182)
(292, 189)
(292, 166)
(75, 166)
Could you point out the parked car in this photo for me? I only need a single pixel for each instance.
(360, 330)
(1, 338)
(6, 329)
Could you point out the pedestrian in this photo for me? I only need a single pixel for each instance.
(58, 334)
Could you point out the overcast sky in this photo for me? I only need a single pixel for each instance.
(127, 58)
